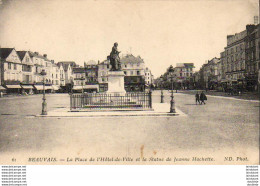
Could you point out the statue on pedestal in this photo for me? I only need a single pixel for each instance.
(114, 59)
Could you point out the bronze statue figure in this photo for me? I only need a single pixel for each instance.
(114, 59)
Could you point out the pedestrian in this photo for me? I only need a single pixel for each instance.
(197, 97)
(203, 97)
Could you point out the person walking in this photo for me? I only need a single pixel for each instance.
(197, 97)
(203, 97)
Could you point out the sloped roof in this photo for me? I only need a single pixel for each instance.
(66, 64)
(71, 63)
(131, 59)
(78, 70)
(5, 52)
(21, 54)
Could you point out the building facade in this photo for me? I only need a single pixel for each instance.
(133, 68)
(11, 70)
(148, 77)
(184, 75)
(251, 60)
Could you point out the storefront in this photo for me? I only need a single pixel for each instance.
(13, 89)
(55, 88)
(27, 89)
(86, 88)
(39, 88)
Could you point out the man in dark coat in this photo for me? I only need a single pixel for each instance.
(203, 97)
(197, 97)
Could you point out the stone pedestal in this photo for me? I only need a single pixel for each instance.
(116, 83)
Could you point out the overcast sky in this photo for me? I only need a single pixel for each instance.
(161, 32)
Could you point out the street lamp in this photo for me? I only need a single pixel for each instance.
(171, 73)
(161, 78)
(44, 103)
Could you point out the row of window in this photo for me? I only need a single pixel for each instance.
(185, 74)
(27, 68)
(252, 68)
(10, 66)
(234, 67)
(123, 66)
(133, 73)
(235, 49)
(13, 76)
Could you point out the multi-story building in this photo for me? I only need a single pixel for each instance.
(27, 71)
(79, 78)
(219, 72)
(91, 70)
(85, 79)
(251, 56)
(55, 75)
(38, 62)
(41, 62)
(210, 73)
(11, 69)
(103, 69)
(67, 72)
(27, 66)
(133, 68)
(62, 75)
(234, 59)
(258, 53)
(184, 74)
(148, 77)
(67, 67)
(223, 69)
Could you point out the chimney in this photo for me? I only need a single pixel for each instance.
(250, 28)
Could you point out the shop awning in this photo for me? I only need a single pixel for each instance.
(78, 87)
(91, 87)
(40, 87)
(55, 87)
(13, 86)
(48, 87)
(27, 86)
(2, 88)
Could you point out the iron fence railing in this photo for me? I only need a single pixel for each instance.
(98, 101)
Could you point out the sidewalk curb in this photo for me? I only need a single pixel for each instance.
(160, 110)
(224, 97)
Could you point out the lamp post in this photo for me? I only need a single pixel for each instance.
(162, 96)
(44, 103)
(171, 73)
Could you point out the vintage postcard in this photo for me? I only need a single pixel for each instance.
(125, 82)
